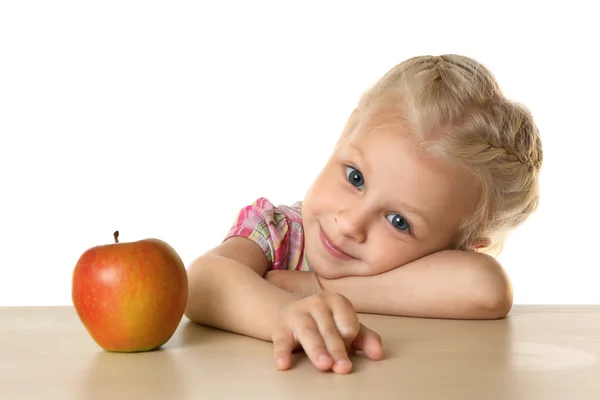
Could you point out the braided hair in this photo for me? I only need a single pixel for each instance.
(457, 110)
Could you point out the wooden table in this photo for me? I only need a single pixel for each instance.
(535, 353)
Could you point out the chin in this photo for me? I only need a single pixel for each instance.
(329, 275)
(334, 271)
(324, 271)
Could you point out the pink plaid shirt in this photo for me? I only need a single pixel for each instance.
(277, 230)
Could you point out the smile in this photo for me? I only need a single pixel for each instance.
(334, 251)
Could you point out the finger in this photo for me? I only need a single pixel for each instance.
(345, 318)
(310, 338)
(283, 346)
(369, 342)
(333, 340)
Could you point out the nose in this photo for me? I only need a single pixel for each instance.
(352, 223)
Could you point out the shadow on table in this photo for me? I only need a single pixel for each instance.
(132, 376)
(193, 335)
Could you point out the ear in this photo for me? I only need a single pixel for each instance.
(481, 243)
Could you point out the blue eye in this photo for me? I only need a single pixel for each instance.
(355, 177)
(398, 222)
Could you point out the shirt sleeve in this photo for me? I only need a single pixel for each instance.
(268, 227)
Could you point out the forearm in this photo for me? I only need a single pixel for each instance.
(454, 285)
(226, 294)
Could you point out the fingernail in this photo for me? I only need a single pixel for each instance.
(342, 361)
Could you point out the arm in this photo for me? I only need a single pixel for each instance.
(227, 290)
(448, 284)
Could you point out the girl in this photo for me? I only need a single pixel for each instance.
(432, 170)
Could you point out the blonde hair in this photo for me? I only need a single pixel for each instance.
(455, 108)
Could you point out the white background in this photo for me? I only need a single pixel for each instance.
(162, 119)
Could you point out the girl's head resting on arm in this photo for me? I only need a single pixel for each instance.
(465, 154)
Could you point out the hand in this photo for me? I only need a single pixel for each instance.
(327, 327)
(302, 283)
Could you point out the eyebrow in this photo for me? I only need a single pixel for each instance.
(361, 154)
(358, 149)
(405, 207)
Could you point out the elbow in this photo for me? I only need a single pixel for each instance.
(495, 300)
(496, 304)
(189, 308)
(195, 294)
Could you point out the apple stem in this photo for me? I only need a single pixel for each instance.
(116, 235)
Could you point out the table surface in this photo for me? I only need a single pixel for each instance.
(537, 352)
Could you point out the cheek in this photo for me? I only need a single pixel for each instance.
(391, 257)
(385, 253)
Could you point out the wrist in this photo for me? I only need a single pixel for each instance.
(301, 283)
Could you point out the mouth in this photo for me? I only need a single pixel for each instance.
(334, 251)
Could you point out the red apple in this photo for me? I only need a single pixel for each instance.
(130, 296)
